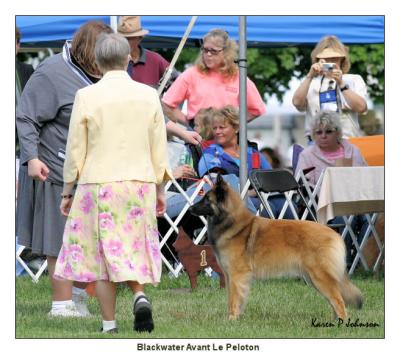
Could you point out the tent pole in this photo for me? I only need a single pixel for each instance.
(114, 23)
(168, 72)
(243, 101)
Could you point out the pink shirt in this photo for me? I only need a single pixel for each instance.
(210, 90)
(334, 155)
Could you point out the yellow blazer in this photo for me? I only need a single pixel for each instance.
(117, 133)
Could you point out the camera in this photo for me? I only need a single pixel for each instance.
(328, 66)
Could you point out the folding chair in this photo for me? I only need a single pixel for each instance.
(35, 276)
(297, 149)
(281, 181)
(175, 269)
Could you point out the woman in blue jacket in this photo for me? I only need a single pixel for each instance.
(224, 155)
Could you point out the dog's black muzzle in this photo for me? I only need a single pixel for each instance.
(201, 208)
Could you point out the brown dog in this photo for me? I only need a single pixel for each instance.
(194, 258)
(249, 246)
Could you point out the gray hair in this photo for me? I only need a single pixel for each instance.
(111, 51)
(328, 120)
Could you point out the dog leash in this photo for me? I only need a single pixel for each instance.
(208, 171)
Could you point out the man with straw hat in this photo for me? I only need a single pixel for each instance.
(146, 66)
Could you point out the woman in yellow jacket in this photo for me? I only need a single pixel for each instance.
(117, 151)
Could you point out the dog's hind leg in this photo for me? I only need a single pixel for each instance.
(329, 287)
(238, 290)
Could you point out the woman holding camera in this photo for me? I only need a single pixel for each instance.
(328, 86)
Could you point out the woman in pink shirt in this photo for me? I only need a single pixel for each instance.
(330, 149)
(212, 82)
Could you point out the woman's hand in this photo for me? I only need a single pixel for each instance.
(161, 203)
(65, 205)
(337, 75)
(188, 136)
(315, 70)
(38, 170)
(183, 171)
(191, 137)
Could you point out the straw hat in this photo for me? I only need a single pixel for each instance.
(330, 53)
(129, 26)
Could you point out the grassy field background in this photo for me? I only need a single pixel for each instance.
(279, 308)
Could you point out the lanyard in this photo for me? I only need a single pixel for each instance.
(330, 88)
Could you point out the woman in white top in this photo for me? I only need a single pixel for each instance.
(328, 86)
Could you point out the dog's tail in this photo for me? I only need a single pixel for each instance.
(351, 294)
(336, 260)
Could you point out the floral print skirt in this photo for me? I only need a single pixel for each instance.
(111, 234)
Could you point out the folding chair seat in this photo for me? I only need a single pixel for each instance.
(277, 181)
(196, 152)
(297, 149)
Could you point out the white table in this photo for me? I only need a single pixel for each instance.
(349, 191)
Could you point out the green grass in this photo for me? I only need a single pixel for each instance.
(279, 308)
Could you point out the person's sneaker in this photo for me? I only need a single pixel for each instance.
(68, 311)
(80, 304)
(143, 321)
(110, 331)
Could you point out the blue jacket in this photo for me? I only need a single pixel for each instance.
(215, 157)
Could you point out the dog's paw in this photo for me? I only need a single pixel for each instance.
(233, 317)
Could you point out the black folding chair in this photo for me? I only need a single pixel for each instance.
(278, 181)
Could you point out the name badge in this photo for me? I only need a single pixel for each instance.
(327, 96)
(327, 101)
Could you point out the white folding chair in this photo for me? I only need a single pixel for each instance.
(175, 269)
(370, 232)
(35, 276)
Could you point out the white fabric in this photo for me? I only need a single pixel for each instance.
(351, 190)
(356, 84)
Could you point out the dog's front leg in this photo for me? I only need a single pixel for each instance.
(233, 299)
(238, 289)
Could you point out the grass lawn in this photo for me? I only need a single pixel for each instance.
(279, 308)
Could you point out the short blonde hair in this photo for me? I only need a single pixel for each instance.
(203, 119)
(227, 114)
(328, 120)
(230, 51)
(334, 43)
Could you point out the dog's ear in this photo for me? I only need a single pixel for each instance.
(220, 180)
(220, 189)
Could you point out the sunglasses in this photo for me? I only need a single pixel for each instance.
(327, 131)
(212, 51)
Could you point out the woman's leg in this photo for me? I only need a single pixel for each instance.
(142, 309)
(62, 289)
(135, 286)
(106, 295)
(62, 304)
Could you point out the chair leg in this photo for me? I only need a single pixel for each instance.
(306, 204)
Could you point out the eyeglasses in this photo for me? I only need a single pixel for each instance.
(327, 131)
(212, 51)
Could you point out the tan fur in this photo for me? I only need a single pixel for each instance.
(256, 247)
